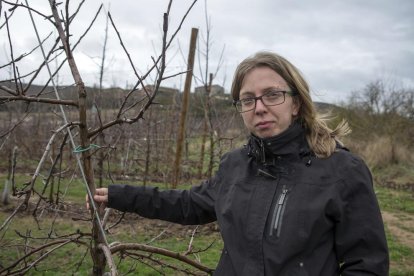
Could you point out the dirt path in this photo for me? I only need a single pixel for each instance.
(401, 225)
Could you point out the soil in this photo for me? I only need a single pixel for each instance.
(401, 225)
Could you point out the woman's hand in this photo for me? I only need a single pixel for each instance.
(101, 197)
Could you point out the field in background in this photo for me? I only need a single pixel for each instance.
(144, 153)
(397, 209)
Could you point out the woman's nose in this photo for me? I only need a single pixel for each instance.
(260, 107)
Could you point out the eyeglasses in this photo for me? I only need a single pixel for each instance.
(268, 99)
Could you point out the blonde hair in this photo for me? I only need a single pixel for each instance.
(321, 139)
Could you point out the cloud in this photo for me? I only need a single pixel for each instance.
(340, 46)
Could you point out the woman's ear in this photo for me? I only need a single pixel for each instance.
(295, 107)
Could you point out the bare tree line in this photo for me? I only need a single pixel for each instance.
(382, 118)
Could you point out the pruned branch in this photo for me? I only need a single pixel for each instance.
(5, 99)
(140, 80)
(15, 5)
(109, 260)
(162, 59)
(147, 248)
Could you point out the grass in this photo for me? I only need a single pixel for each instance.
(402, 204)
(67, 256)
(392, 200)
(176, 239)
(71, 256)
(401, 256)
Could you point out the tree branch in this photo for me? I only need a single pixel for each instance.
(108, 256)
(5, 99)
(136, 246)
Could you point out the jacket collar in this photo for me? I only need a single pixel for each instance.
(291, 141)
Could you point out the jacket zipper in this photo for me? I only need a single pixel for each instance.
(276, 224)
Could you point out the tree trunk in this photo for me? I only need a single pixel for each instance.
(97, 254)
(210, 121)
(203, 147)
(5, 194)
(148, 148)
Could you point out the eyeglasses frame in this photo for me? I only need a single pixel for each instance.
(290, 93)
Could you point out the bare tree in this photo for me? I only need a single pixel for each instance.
(75, 133)
(206, 78)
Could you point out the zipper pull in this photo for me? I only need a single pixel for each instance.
(283, 196)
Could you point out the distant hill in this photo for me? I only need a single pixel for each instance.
(112, 97)
(327, 107)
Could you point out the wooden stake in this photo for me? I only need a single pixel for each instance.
(184, 108)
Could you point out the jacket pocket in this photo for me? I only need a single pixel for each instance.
(278, 212)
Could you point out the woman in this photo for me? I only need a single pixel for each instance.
(291, 202)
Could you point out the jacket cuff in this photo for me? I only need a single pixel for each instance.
(116, 198)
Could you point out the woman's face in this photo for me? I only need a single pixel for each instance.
(267, 121)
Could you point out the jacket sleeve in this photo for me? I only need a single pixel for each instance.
(360, 240)
(193, 206)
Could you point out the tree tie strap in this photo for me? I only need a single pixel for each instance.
(79, 149)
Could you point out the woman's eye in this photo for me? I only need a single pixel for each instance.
(275, 94)
(247, 101)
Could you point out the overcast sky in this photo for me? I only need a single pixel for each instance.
(340, 46)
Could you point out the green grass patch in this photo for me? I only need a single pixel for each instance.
(401, 256)
(399, 203)
(76, 260)
(69, 256)
(74, 190)
(391, 200)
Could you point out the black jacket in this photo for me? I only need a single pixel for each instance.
(281, 210)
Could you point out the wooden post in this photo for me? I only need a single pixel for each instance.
(184, 108)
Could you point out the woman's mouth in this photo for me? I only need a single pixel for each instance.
(263, 125)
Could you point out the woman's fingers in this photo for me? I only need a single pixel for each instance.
(87, 201)
(101, 196)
